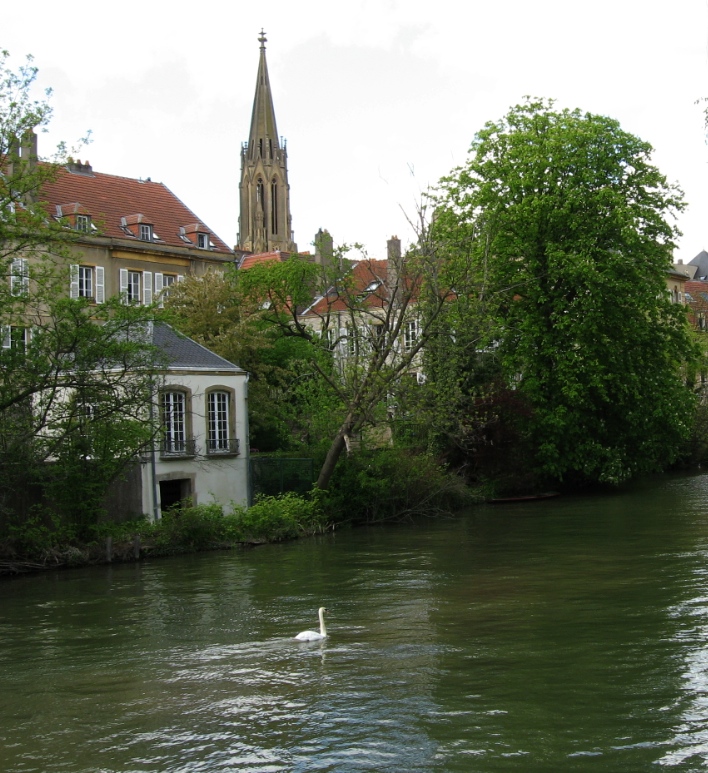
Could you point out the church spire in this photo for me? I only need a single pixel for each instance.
(264, 222)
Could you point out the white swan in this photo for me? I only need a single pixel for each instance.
(313, 635)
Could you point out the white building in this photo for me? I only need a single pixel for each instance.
(203, 451)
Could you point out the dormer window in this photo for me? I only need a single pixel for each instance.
(76, 216)
(197, 235)
(140, 227)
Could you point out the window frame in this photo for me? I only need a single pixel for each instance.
(411, 334)
(175, 417)
(221, 422)
(19, 277)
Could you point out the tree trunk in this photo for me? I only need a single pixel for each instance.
(335, 451)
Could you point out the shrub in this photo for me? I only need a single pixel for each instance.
(390, 484)
(191, 526)
(273, 518)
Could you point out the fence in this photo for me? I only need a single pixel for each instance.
(276, 475)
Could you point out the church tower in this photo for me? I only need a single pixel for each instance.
(264, 222)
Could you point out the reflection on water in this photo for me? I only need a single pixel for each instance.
(567, 635)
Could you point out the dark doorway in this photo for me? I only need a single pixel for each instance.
(174, 492)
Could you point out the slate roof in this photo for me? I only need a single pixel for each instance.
(183, 352)
(701, 261)
(108, 198)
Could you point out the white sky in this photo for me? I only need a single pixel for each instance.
(377, 99)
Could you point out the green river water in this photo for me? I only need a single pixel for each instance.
(568, 635)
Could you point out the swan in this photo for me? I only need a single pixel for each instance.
(313, 635)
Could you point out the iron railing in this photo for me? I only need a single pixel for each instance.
(170, 447)
(223, 446)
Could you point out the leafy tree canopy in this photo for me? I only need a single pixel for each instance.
(572, 230)
(76, 379)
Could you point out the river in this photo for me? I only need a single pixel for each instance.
(565, 635)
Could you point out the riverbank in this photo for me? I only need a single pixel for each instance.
(375, 488)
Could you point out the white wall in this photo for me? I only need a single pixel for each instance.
(215, 477)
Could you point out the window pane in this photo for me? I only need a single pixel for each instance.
(173, 421)
(85, 282)
(218, 421)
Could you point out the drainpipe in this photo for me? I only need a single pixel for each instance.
(153, 471)
(249, 481)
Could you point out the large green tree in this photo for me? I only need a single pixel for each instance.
(76, 379)
(572, 229)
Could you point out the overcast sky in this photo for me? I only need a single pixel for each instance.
(377, 99)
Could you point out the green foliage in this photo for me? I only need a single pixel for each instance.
(281, 517)
(36, 535)
(392, 484)
(193, 527)
(227, 313)
(75, 378)
(570, 226)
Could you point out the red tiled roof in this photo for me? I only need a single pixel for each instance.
(263, 257)
(109, 198)
(369, 277)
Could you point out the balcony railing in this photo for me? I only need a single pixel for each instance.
(177, 447)
(222, 446)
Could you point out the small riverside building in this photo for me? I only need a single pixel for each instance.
(203, 449)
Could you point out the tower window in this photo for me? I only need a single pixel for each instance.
(274, 207)
(259, 191)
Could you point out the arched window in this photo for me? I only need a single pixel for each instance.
(220, 423)
(259, 192)
(175, 439)
(274, 206)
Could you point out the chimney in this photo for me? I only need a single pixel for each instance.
(76, 167)
(22, 159)
(324, 248)
(28, 149)
(393, 262)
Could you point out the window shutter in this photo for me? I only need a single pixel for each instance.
(74, 283)
(100, 291)
(147, 288)
(124, 285)
(158, 287)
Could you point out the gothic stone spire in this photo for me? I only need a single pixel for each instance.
(264, 222)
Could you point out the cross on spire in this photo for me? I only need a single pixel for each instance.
(262, 38)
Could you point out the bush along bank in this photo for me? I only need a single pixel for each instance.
(187, 529)
(370, 487)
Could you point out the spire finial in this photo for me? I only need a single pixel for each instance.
(262, 38)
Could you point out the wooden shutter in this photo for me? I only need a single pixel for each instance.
(100, 291)
(124, 285)
(74, 281)
(147, 288)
